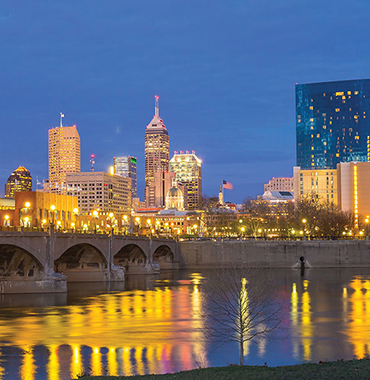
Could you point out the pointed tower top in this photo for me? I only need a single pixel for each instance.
(156, 105)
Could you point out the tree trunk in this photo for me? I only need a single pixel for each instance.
(241, 343)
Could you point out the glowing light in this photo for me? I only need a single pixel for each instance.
(52, 207)
(27, 204)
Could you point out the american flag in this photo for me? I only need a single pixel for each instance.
(227, 185)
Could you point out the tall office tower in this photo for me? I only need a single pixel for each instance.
(157, 150)
(333, 123)
(19, 180)
(64, 155)
(188, 171)
(125, 166)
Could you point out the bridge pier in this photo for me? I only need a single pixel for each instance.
(55, 283)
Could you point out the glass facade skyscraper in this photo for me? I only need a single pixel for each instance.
(333, 123)
(125, 166)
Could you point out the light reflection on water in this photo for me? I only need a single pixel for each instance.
(154, 326)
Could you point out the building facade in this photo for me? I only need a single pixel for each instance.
(125, 166)
(353, 189)
(39, 209)
(100, 191)
(64, 155)
(279, 184)
(333, 123)
(19, 180)
(155, 194)
(188, 171)
(157, 149)
(322, 183)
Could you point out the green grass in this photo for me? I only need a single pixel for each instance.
(348, 370)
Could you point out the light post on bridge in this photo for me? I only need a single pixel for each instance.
(74, 224)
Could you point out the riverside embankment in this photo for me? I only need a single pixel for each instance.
(274, 254)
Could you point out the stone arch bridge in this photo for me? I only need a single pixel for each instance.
(43, 262)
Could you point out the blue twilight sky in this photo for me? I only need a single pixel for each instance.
(225, 72)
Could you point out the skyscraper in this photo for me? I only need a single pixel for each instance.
(19, 180)
(64, 155)
(188, 171)
(125, 166)
(157, 150)
(333, 123)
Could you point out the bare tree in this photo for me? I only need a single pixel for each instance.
(240, 306)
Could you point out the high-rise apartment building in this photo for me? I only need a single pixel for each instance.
(188, 171)
(100, 191)
(157, 149)
(322, 183)
(125, 166)
(64, 155)
(19, 180)
(333, 123)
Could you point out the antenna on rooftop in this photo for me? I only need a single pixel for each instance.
(61, 119)
(156, 105)
(92, 161)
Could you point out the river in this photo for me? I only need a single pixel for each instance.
(153, 325)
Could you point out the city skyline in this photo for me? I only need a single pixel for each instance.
(227, 93)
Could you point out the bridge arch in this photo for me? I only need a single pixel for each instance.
(163, 253)
(80, 256)
(18, 261)
(130, 254)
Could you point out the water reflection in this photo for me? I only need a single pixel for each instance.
(358, 304)
(301, 320)
(124, 333)
(155, 326)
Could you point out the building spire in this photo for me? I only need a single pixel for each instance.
(156, 105)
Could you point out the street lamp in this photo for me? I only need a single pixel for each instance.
(96, 216)
(6, 221)
(52, 208)
(367, 227)
(75, 211)
(243, 230)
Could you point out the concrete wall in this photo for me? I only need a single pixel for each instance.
(275, 254)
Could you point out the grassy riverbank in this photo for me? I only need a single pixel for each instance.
(352, 369)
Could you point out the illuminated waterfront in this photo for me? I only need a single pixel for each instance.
(153, 326)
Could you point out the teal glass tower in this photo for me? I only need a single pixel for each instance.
(333, 123)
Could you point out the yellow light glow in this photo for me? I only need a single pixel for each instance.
(95, 213)
(6, 217)
(111, 214)
(43, 221)
(52, 207)
(75, 210)
(27, 204)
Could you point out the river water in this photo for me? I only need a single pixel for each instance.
(152, 325)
